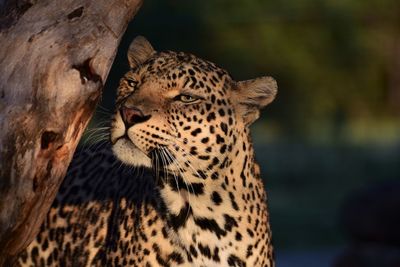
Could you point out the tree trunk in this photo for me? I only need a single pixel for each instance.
(54, 58)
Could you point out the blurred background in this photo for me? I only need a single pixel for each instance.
(329, 145)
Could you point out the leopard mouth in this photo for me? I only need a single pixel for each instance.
(115, 140)
(126, 151)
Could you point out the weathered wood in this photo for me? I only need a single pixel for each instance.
(54, 58)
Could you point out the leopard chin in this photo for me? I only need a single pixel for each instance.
(130, 154)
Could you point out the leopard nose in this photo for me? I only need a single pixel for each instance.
(132, 116)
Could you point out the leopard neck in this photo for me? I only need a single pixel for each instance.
(224, 201)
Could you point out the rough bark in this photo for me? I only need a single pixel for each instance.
(54, 57)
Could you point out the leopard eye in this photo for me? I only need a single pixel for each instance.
(131, 83)
(186, 98)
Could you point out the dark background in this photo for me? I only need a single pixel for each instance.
(334, 129)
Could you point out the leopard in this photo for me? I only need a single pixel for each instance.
(176, 184)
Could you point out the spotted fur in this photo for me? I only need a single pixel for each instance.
(189, 192)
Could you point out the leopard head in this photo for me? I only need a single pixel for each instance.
(187, 107)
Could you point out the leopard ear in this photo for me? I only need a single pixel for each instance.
(253, 95)
(139, 51)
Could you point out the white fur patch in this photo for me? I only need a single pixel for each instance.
(128, 153)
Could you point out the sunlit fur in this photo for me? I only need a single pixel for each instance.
(186, 190)
(205, 144)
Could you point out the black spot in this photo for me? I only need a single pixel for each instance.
(45, 244)
(212, 129)
(249, 251)
(49, 261)
(204, 157)
(160, 260)
(194, 81)
(221, 112)
(230, 222)
(205, 250)
(196, 132)
(224, 127)
(193, 251)
(234, 260)
(177, 183)
(242, 175)
(222, 149)
(211, 117)
(193, 150)
(215, 256)
(179, 220)
(176, 257)
(186, 82)
(164, 232)
(216, 198)
(156, 136)
(233, 201)
(205, 140)
(213, 99)
(238, 236)
(214, 176)
(201, 174)
(195, 188)
(220, 140)
(220, 74)
(210, 225)
(34, 253)
(250, 232)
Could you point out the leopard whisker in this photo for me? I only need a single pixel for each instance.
(103, 109)
(164, 157)
(164, 169)
(163, 164)
(96, 145)
(156, 166)
(190, 156)
(168, 160)
(94, 135)
(175, 161)
(103, 112)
